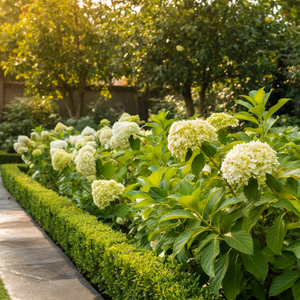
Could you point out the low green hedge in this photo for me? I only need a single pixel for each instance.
(105, 257)
(9, 158)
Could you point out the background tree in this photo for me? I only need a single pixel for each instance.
(58, 48)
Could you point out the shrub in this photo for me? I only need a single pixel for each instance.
(105, 257)
(9, 158)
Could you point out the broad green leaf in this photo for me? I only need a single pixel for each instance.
(256, 264)
(292, 225)
(251, 189)
(118, 154)
(156, 177)
(259, 96)
(266, 97)
(198, 164)
(290, 173)
(240, 240)
(283, 282)
(296, 290)
(258, 110)
(108, 170)
(258, 290)
(269, 255)
(209, 255)
(244, 103)
(184, 238)
(122, 210)
(286, 204)
(254, 215)
(157, 193)
(273, 183)
(135, 144)
(286, 260)
(270, 122)
(221, 267)
(209, 150)
(204, 242)
(145, 203)
(275, 235)
(251, 100)
(274, 108)
(190, 202)
(232, 280)
(230, 146)
(214, 200)
(297, 250)
(185, 188)
(178, 214)
(99, 167)
(122, 172)
(243, 115)
(227, 202)
(188, 155)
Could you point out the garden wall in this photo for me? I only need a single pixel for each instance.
(104, 256)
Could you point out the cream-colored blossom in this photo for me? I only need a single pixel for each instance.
(37, 152)
(17, 146)
(69, 128)
(23, 140)
(21, 150)
(222, 120)
(105, 191)
(189, 134)
(93, 144)
(121, 221)
(85, 161)
(89, 138)
(32, 143)
(125, 117)
(31, 166)
(44, 134)
(61, 159)
(26, 161)
(35, 136)
(60, 127)
(105, 135)
(59, 144)
(104, 122)
(153, 244)
(80, 143)
(88, 131)
(247, 160)
(53, 151)
(122, 132)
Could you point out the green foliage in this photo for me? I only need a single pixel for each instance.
(105, 257)
(9, 158)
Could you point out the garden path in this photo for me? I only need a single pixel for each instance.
(32, 267)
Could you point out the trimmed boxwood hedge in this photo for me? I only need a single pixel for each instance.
(9, 158)
(104, 256)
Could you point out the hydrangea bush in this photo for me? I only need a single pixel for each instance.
(226, 205)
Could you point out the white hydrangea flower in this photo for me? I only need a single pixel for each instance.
(23, 140)
(21, 150)
(80, 143)
(222, 120)
(88, 131)
(74, 138)
(207, 169)
(60, 127)
(247, 160)
(105, 191)
(190, 134)
(122, 132)
(17, 146)
(35, 136)
(93, 144)
(125, 117)
(85, 161)
(105, 135)
(44, 133)
(59, 144)
(61, 159)
(89, 138)
(53, 151)
(120, 221)
(153, 244)
(26, 161)
(37, 152)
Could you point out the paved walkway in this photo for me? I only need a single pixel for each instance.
(32, 267)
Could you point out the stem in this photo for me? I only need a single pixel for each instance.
(78, 181)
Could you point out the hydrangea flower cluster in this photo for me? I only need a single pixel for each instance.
(88, 131)
(244, 161)
(60, 127)
(85, 161)
(61, 159)
(222, 120)
(44, 133)
(121, 133)
(105, 191)
(21, 146)
(59, 144)
(37, 152)
(189, 134)
(35, 136)
(105, 135)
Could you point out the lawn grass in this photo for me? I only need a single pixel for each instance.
(3, 291)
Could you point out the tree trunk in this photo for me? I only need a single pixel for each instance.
(80, 106)
(68, 100)
(189, 106)
(201, 104)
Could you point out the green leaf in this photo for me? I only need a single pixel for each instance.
(258, 110)
(118, 154)
(209, 150)
(258, 290)
(198, 164)
(108, 170)
(244, 103)
(297, 250)
(266, 97)
(256, 264)
(122, 210)
(290, 173)
(240, 240)
(274, 108)
(204, 242)
(286, 260)
(190, 202)
(259, 96)
(185, 188)
(251, 100)
(243, 115)
(269, 123)
(184, 238)
(227, 202)
(209, 255)
(214, 200)
(99, 167)
(275, 235)
(145, 203)
(273, 183)
(122, 172)
(296, 290)
(178, 214)
(286, 204)
(254, 215)
(157, 193)
(188, 155)
(221, 267)
(283, 282)
(251, 189)
(230, 146)
(135, 144)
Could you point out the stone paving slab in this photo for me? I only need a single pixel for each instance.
(32, 267)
